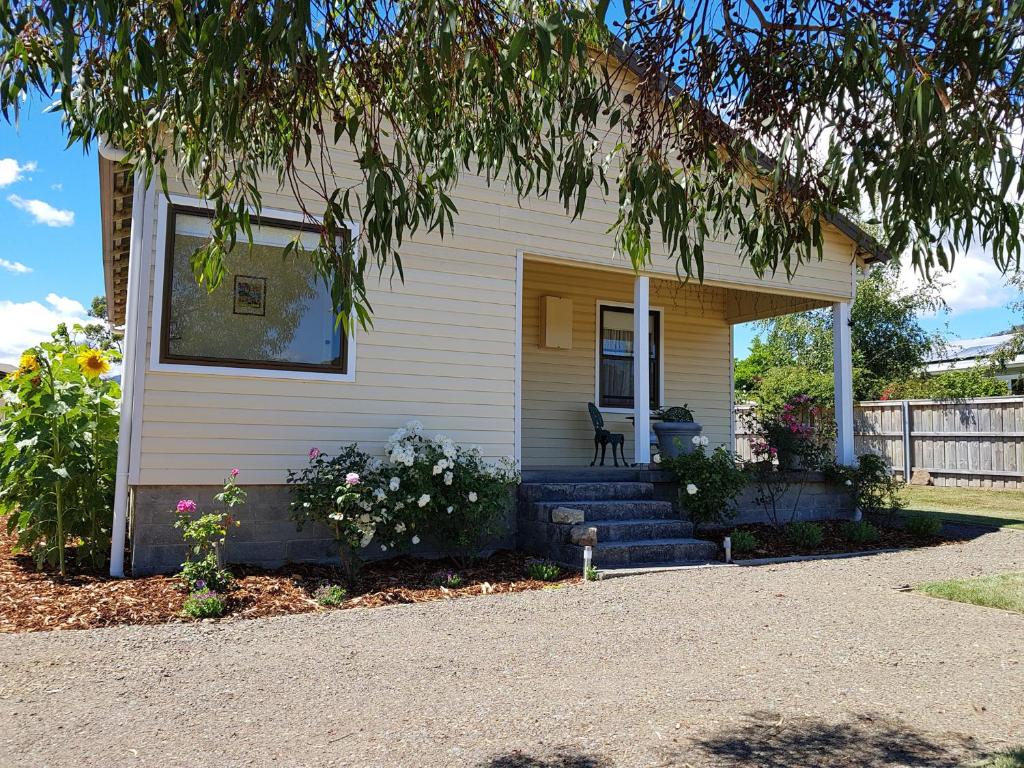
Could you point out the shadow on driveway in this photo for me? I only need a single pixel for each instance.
(869, 741)
(767, 740)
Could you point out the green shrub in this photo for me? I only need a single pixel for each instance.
(591, 573)
(743, 541)
(543, 571)
(58, 451)
(876, 492)
(804, 535)
(448, 579)
(330, 595)
(860, 532)
(923, 525)
(204, 605)
(708, 484)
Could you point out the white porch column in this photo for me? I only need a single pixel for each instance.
(842, 350)
(641, 370)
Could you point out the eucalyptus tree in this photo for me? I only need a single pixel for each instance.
(744, 119)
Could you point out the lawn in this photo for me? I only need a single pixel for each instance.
(1004, 590)
(1013, 758)
(984, 506)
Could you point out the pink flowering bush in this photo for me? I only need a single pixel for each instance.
(205, 537)
(786, 445)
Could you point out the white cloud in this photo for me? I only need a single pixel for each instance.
(11, 170)
(14, 266)
(25, 324)
(57, 187)
(43, 212)
(974, 282)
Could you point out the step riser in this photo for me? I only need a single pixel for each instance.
(669, 529)
(585, 491)
(595, 511)
(640, 554)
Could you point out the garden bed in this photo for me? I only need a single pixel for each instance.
(33, 601)
(773, 542)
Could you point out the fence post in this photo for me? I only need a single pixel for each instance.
(906, 442)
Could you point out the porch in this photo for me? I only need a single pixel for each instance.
(580, 337)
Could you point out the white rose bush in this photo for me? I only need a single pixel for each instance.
(708, 483)
(422, 487)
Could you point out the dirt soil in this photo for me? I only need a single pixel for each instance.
(34, 601)
(772, 542)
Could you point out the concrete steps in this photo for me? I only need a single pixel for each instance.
(614, 511)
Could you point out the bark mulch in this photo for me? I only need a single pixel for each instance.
(35, 601)
(772, 542)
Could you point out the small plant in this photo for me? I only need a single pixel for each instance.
(804, 535)
(204, 605)
(330, 595)
(860, 532)
(743, 542)
(923, 525)
(205, 536)
(448, 580)
(590, 574)
(540, 570)
(876, 493)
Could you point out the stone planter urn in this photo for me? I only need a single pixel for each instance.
(676, 437)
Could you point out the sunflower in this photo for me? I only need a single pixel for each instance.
(93, 363)
(27, 364)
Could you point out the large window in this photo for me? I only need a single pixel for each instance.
(270, 311)
(615, 358)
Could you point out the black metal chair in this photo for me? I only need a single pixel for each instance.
(603, 438)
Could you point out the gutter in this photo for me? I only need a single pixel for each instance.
(109, 151)
(130, 363)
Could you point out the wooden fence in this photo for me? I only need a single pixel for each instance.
(966, 443)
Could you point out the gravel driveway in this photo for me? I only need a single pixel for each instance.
(804, 664)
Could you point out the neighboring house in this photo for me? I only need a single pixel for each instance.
(499, 336)
(5, 368)
(963, 354)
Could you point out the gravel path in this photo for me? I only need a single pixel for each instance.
(804, 664)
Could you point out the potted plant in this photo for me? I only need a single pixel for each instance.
(675, 429)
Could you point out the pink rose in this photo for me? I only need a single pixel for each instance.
(352, 478)
(186, 507)
(234, 472)
(314, 452)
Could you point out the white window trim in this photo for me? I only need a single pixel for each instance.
(597, 354)
(155, 342)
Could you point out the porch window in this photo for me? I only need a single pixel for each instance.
(270, 311)
(615, 358)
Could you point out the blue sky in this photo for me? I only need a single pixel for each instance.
(51, 257)
(51, 252)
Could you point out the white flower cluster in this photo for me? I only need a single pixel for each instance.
(700, 440)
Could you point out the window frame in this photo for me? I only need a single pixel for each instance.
(162, 361)
(599, 355)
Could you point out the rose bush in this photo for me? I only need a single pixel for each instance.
(205, 536)
(709, 483)
(423, 486)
